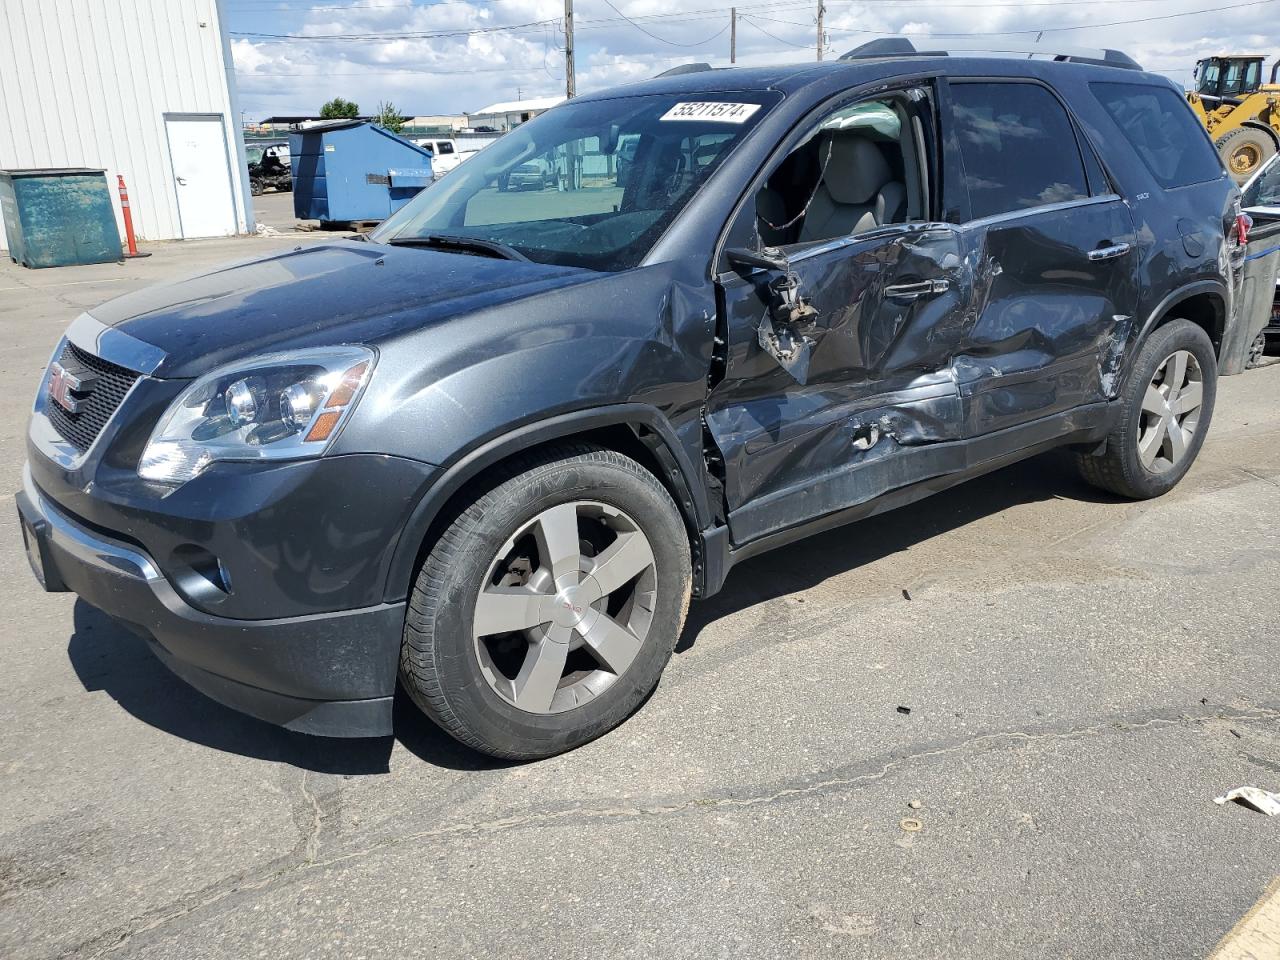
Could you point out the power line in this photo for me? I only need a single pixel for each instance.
(708, 13)
(673, 43)
(774, 36)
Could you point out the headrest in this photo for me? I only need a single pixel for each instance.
(856, 170)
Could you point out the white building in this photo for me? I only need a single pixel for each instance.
(144, 89)
(503, 116)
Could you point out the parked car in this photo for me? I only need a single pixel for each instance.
(445, 155)
(269, 167)
(494, 452)
(534, 175)
(1262, 204)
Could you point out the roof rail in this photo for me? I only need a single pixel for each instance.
(903, 47)
(684, 68)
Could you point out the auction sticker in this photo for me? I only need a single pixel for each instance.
(710, 110)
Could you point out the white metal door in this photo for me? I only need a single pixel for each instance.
(201, 176)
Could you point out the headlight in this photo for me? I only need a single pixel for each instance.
(280, 407)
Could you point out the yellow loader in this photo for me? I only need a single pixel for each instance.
(1241, 113)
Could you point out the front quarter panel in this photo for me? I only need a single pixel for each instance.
(643, 336)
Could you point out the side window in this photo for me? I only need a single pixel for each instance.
(445, 147)
(858, 169)
(1160, 126)
(1018, 145)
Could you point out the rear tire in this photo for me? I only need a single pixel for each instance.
(545, 613)
(1154, 443)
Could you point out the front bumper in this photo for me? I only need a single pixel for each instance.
(330, 674)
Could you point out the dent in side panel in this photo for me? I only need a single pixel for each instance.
(879, 373)
(1049, 322)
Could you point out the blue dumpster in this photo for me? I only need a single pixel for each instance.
(54, 218)
(351, 170)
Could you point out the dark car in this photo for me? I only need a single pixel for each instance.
(269, 167)
(494, 449)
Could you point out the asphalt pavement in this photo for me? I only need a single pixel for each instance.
(1052, 683)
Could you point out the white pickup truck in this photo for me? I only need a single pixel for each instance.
(445, 155)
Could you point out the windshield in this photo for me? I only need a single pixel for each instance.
(589, 184)
(1264, 189)
(253, 154)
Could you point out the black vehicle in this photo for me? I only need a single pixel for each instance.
(269, 167)
(496, 448)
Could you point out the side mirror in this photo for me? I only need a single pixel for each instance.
(767, 258)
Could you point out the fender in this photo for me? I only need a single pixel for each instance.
(1266, 128)
(1213, 287)
(661, 441)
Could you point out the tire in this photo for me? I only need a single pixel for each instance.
(1129, 467)
(483, 689)
(1244, 151)
(255, 187)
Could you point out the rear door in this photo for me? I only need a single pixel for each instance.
(1054, 254)
(835, 368)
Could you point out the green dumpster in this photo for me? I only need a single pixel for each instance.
(54, 218)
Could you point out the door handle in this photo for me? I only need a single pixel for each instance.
(1111, 252)
(181, 181)
(912, 291)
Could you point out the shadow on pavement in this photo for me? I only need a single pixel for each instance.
(805, 564)
(108, 657)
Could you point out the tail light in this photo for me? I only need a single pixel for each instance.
(1244, 223)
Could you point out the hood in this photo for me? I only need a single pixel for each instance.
(331, 293)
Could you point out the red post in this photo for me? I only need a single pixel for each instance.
(128, 220)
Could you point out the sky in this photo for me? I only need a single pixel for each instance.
(455, 56)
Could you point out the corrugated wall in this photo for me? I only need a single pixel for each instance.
(86, 83)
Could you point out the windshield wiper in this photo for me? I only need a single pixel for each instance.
(486, 248)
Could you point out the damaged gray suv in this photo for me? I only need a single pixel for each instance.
(492, 451)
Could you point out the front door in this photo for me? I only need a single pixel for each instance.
(837, 362)
(201, 177)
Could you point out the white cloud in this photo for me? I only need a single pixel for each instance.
(450, 74)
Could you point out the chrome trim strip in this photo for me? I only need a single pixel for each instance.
(1000, 218)
(114, 346)
(82, 544)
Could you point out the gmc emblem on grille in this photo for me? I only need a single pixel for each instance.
(63, 384)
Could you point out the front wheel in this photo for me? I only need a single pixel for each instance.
(1166, 407)
(546, 612)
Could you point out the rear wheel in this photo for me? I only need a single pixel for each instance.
(547, 610)
(1166, 408)
(1244, 150)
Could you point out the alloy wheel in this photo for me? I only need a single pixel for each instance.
(565, 607)
(1170, 412)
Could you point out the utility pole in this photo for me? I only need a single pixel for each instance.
(733, 34)
(569, 84)
(822, 9)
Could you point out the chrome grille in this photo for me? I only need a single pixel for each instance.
(81, 428)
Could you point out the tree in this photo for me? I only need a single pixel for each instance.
(339, 109)
(389, 117)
